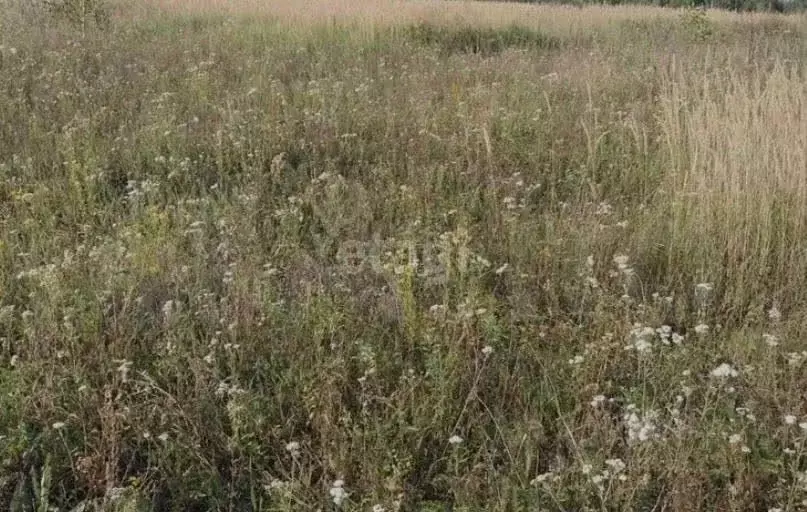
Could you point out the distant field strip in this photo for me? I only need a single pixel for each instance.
(561, 19)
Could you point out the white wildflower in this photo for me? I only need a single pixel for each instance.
(577, 360)
(163, 437)
(543, 477)
(640, 338)
(621, 262)
(438, 309)
(379, 508)
(704, 287)
(222, 389)
(617, 465)
(123, 370)
(724, 370)
(597, 400)
(487, 350)
(455, 440)
(169, 308)
(604, 209)
(338, 493)
(770, 340)
(701, 329)
(735, 438)
(789, 419)
(664, 332)
(677, 339)
(795, 358)
(59, 425)
(640, 428)
(643, 332)
(774, 314)
(228, 277)
(115, 493)
(275, 484)
(293, 447)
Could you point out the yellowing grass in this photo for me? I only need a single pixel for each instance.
(556, 19)
(739, 180)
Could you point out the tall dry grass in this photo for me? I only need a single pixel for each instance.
(737, 185)
(555, 19)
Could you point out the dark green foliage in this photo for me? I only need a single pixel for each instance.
(485, 41)
(781, 6)
(79, 12)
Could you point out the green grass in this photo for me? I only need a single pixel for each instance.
(220, 236)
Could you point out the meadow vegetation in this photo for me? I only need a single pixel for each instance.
(386, 255)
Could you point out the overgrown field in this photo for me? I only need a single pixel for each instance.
(410, 256)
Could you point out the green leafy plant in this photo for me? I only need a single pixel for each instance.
(697, 24)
